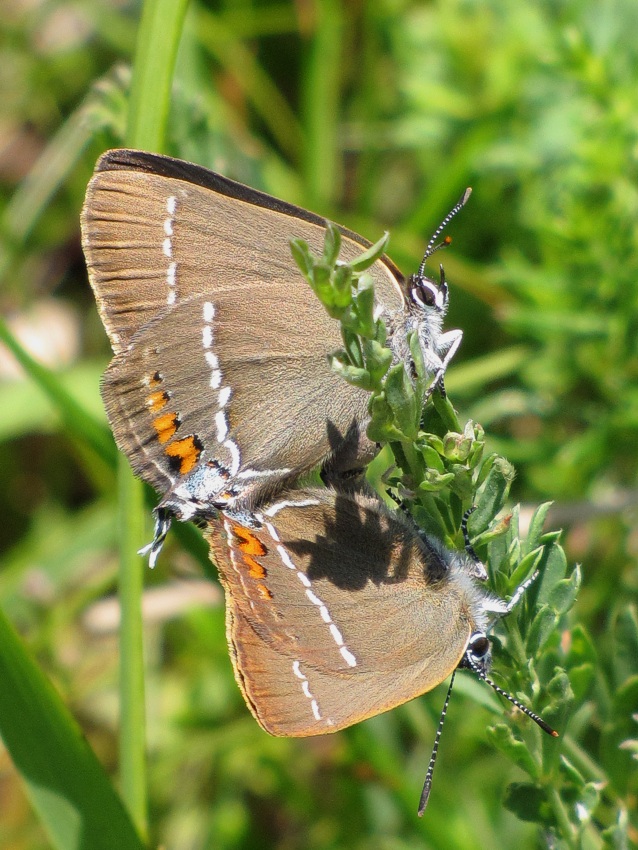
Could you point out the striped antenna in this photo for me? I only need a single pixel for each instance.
(427, 785)
(538, 720)
(432, 247)
(466, 536)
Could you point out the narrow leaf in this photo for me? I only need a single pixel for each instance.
(331, 244)
(67, 785)
(374, 252)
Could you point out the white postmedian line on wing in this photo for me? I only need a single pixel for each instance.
(324, 613)
(216, 383)
(167, 250)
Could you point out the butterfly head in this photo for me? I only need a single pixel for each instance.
(478, 653)
(426, 295)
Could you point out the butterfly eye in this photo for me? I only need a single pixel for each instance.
(422, 291)
(479, 645)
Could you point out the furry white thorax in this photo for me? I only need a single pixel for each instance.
(460, 570)
(428, 324)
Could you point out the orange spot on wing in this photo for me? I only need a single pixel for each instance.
(255, 569)
(247, 542)
(166, 425)
(186, 452)
(263, 590)
(156, 401)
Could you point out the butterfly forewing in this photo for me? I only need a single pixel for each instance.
(157, 230)
(243, 389)
(222, 346)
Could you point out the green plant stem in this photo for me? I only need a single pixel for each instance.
(155, 54)
(583, 761)
(323, 73)
(407, 458)
(517, 644)
(562, 817)
(156, 51)
(273, 109)
(132, 704)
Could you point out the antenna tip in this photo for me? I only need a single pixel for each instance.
(544, 726)
(465, 198)
(425, 796)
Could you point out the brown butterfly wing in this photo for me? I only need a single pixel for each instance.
(164, 238)
(156, 230)
(269, 401)
(336, 611)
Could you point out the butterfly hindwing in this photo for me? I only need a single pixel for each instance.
(329, 594)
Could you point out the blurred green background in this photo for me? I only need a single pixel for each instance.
(377, 115)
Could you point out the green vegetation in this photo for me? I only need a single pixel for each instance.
(376, 115)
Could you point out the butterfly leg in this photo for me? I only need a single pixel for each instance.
(163, 519)
(448, 344)
(500, 607)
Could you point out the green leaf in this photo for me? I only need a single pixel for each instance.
(625, 647)
(371, 255)
(445, 410)
(377, 360)
(552, 566)
(581, 679)
(563, 594)
(427, 442)
(462, 485)
(625, 701)
(381, 334)
(341, 280)
(581, 661)
(322, 284)
(536, 526)
(67, 785)
(557, 710)
(302, 256)
(331, 244)
(542, 628)
(503, 738)
(402, 400)
(434, 481)
(353, 349)
(352, 374)
(495, 534)
(363, 309)
(571, 772)
(431, 457)
(528, 801)
(581, 648)
(493, 492)
(381, 428)
(524, 568)
(559, 688)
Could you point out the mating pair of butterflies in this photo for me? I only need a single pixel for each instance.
(221, 396)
